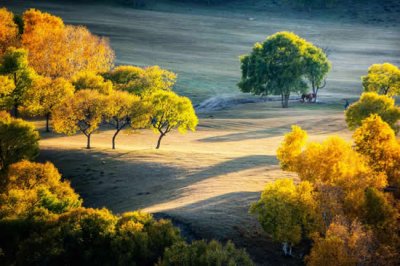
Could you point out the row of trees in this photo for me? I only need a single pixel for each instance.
(282, 64)
(41, 79)
(43, 222)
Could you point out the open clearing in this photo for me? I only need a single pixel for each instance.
(208, 179)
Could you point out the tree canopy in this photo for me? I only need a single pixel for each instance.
(371, 103)
(141, 81)
(82, 112)
(171, 111)
(18, 141)
(383, 79)
(59, 50)
(280, 65)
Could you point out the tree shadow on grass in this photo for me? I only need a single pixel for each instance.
(128, 181)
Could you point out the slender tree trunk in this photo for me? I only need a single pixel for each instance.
(114, 137)
(88, 141)
(15, 110)
(47, 122)
(159, 141)
(285, 100)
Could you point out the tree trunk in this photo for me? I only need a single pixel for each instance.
(285, 100)
(88, 141)
(159, 141)
(15, 111)
(114, 137)
(47, 122)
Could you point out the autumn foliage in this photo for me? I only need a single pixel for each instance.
(345, 209)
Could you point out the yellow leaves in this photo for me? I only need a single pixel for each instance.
(83, 111)
(287, 211)
(141, 81)
(87, 80)
(32, 186)
(371, 103)
(170, 111)
(8, 30)
(383, 79)
(291, 147)
(56, 50)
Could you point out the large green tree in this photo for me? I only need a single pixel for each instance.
(280, 65)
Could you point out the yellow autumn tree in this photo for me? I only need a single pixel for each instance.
(344, 244)
(35, 189)
(82, 112)
(141, 81)
(125, 110)
(291, 148)
(171, 111)
(383, 79)
(287, 212)
(88, 80)
(45, 95)
(371, 103)
(57, 50)
(7, 87)
(8, 30)
(377, 142)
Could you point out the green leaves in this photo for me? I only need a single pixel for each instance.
(279, 65)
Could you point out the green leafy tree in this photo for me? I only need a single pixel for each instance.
(371, 103)
(171, 111)
(287, 212)
(279, 65)
(18, 141)
(203, 253)
(45, 94)
(125, 110)
(383, 79)
(82, 112)
(14, 64)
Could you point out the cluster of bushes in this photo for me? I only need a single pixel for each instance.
(64, 72)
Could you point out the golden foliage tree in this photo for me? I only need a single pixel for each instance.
(141, 81)
(18, 141)
(8, 30)
(383, 79)
(125, 110)
(82, 112)
(171, 111)
(35, 189)
(343, 245)
(372, 103)
(287, 212)
(57, 50)
(377, 142)
(45, 94)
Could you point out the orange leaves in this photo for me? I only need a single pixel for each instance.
(8, 30)
(56, 50)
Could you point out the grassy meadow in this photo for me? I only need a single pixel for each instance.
(206, 180)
